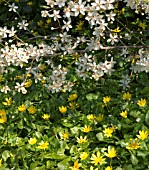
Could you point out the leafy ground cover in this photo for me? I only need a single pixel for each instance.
(74, 86)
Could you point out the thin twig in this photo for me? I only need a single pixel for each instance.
(131, 46)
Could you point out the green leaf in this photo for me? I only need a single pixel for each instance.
(20, 125)
(60, 152)
(134, 159)
(40, 168)
(75, 129)
(5, 155)
(73, 149)
(128, 167)
(38, 134)
(3, 168)
(58, 157)
(147, 118)
(1, 127)
(100, 136)
(144, 146)
(63, 145)
(92, 96)
(142, 153)
(128, 14)
(67, 123)
(118, 168)
(63, 165)
(33, 165)
(122, 143)
(54, 155)
(50, 164)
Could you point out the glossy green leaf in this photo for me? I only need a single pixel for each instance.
(63, 165)
(92, 96)
(100, 136)
(73, 149)
(34, 165)
(134, 159)
(5, 155)
(147, 118)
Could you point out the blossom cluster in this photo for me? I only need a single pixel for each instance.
(138, 5)
(74, 85)
(143, 63)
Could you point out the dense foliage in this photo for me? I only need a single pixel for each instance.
(74, 86)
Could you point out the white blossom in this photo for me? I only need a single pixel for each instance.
(55, 15)
(50, 3)
(125, 82)
(5, 89)
(113, 38)
(60, 3)
(12, 32)
(67, 25)
(99, 5)
(79, 8)
(23, 24)
(45, 13)
(111, 16)
(3, 32)
(13, 7)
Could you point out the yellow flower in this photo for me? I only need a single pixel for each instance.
(124, 114)
(32, 109)
(8, 101)
(0, 162)
(43, 145)
(84, 155)
(3, 117)
(106, 99)
(82, 140)
(46, 116)
(142, 134)
(142, 102)
(133, 144)
(73, 105)
(28, 75)
(76, 166)
(63, 90)
(99, 118)
(97, 159)
(116, 30)
(18, 77)
(28, 83)
(2, 112)
(32, 141)
(63, 109)
(111, 153)
(91, 168)
(22, 108)
(127, 96)
(108, 131)
(43, 81)
(108, 168)
(86, 129)
(72, 97)
(42, 67)
(91, 117)
(65, 135)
